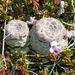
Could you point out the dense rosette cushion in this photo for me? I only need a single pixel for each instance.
(18, 32)
(45, 31)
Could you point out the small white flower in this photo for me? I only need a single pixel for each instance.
(32, 19)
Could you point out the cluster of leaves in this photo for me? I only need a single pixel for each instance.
(20, 70)
(68, 61)
(52, 56)
(37, 58)
(2, 64)
(71, 72)
(37, 8)
(18, 60)
(67, 73)
(66, 57)
(3, 12)
(42, 72)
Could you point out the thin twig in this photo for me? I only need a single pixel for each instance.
(45, 70)
(4, 41)
(61, 67)
(28, 62)
(35, 54)
(70, 41)
(52, 68)
(6, 36)
(68, 23)
(33, 72)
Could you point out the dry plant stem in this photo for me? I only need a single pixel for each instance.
(73, 44)
(13, 70)
(34, 55)
(68, 23)
(3, 44)
(45, 70)
(74, 30)
(70, 42)
(52, 68)
(56, 69)
(6, 36)
(33, 72)
(4, 41)
(27, 66)
(56, 63)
